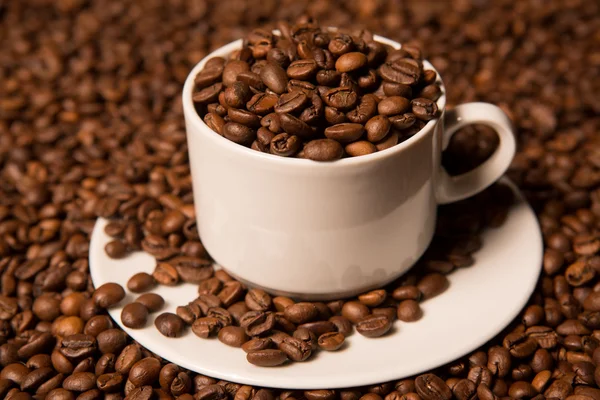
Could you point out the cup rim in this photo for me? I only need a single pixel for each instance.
(193, 118)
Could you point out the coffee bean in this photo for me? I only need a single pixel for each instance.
(152, 301)
(360, 148)
(334, 116)
(134, 315)
(331, 341)
(144, 372)
(285, 145)
(430, 387)
(354, 311)
(239, 133)
(258, 300)
(295, 126)
(300, 313)
(140, 282)
(432, 285)
(397, 89)
(404, 71)
(116, 249)
(393, 105)
(373, 298)
(209, 94)
(295, 349)
(266, 357)
(373, 325)
(351, 62)
(409, 311)
(232, 69)
(108, 295)
(257, 344)
(344, 133)
(169, 324)
(303, 70)
(342, 98)
(377, 128)
(424, 109)
(233, 336)
(206, 326)
(364, 111)
(274, 77)
(323, 150)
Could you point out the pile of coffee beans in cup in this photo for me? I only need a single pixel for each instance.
(91, 126)
(276, 330)
(316, 93)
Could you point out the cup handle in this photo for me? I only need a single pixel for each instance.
(454, 188)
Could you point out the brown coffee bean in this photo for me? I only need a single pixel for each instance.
(46, 307)
(350, 62)
(209, 94)
(295, 349)
(258, 300)
(116, 249)
(432, 285)
(373, 298)
(169, 324)
(397, 89)
(233, 336)
(291, 102)
(377, 128)
(239, 133)
(152, 301)
(342, 98)
(232, 69)
(344, 133)
(393, 105)
(300, 313)
(390, 141)
(214, 122)
(430, 387)
(206, 326)
(404, 71)
(373, 325)
(331, 341)
(303, 70)
(134, 315)
(354, 311)
(295, 126)
(409, 311)
(257, 344)
(266, 357)
(323, 150)
(274, 77)
(140, 282)
(360, 148)
(403, 121)
(144, 372)
(285, 145)
(424, 109)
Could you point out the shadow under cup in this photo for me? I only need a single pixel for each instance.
(313, 230)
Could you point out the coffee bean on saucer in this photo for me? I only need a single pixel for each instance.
(409, 311)
(373, 325)
(152, 301)
(169, 324)
(266, 357)
(141, 282)
(108, 295)
(233, 336)
(331, 341)
(134, 315)
(354, 311)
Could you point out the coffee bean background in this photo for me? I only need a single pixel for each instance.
(91, 125)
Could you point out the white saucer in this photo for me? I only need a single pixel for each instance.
(473, 310)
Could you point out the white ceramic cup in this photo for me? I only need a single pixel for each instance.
(322, 230)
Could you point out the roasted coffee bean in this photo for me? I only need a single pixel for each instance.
(331, 341)
(397, 89)
(233, 336)
(344, 133)
(409, 311)
(258, 323)
(351, 62)
(303, 70)
(393, 105)
(342, 324)
(285, 145)
(295, 349)
(237, 94)
(116, 249)
(258, 300)
(300, 313)
(266, 357)
(262, 104)
(134, 315)
(144, 372)
(404, 71)
(319, 327)
(140, 282)
(334, 116)
(323, 150)
(424, 109)
(257, 344)
(432, 285)
(209, 94)
(430, 387)
(232, 69)
(342, 98)
(364, 111)
(360, 148)
(108, 295)
(377, 128)
(291, 102)
(152, 301)
(206, 326)
(373, 325)
(354, 311)
(295, 126)
(239, 133)
(169, 324)
(274, 77)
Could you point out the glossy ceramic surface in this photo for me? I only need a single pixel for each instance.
(323, 230)
(454, 323)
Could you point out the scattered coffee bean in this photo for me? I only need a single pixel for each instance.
(108, 295)
(152, 301)
(331, 341)
(233, 336)
(169, 324)
(373, 325)
(266, 357)
(141, 282)
(134, 315)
